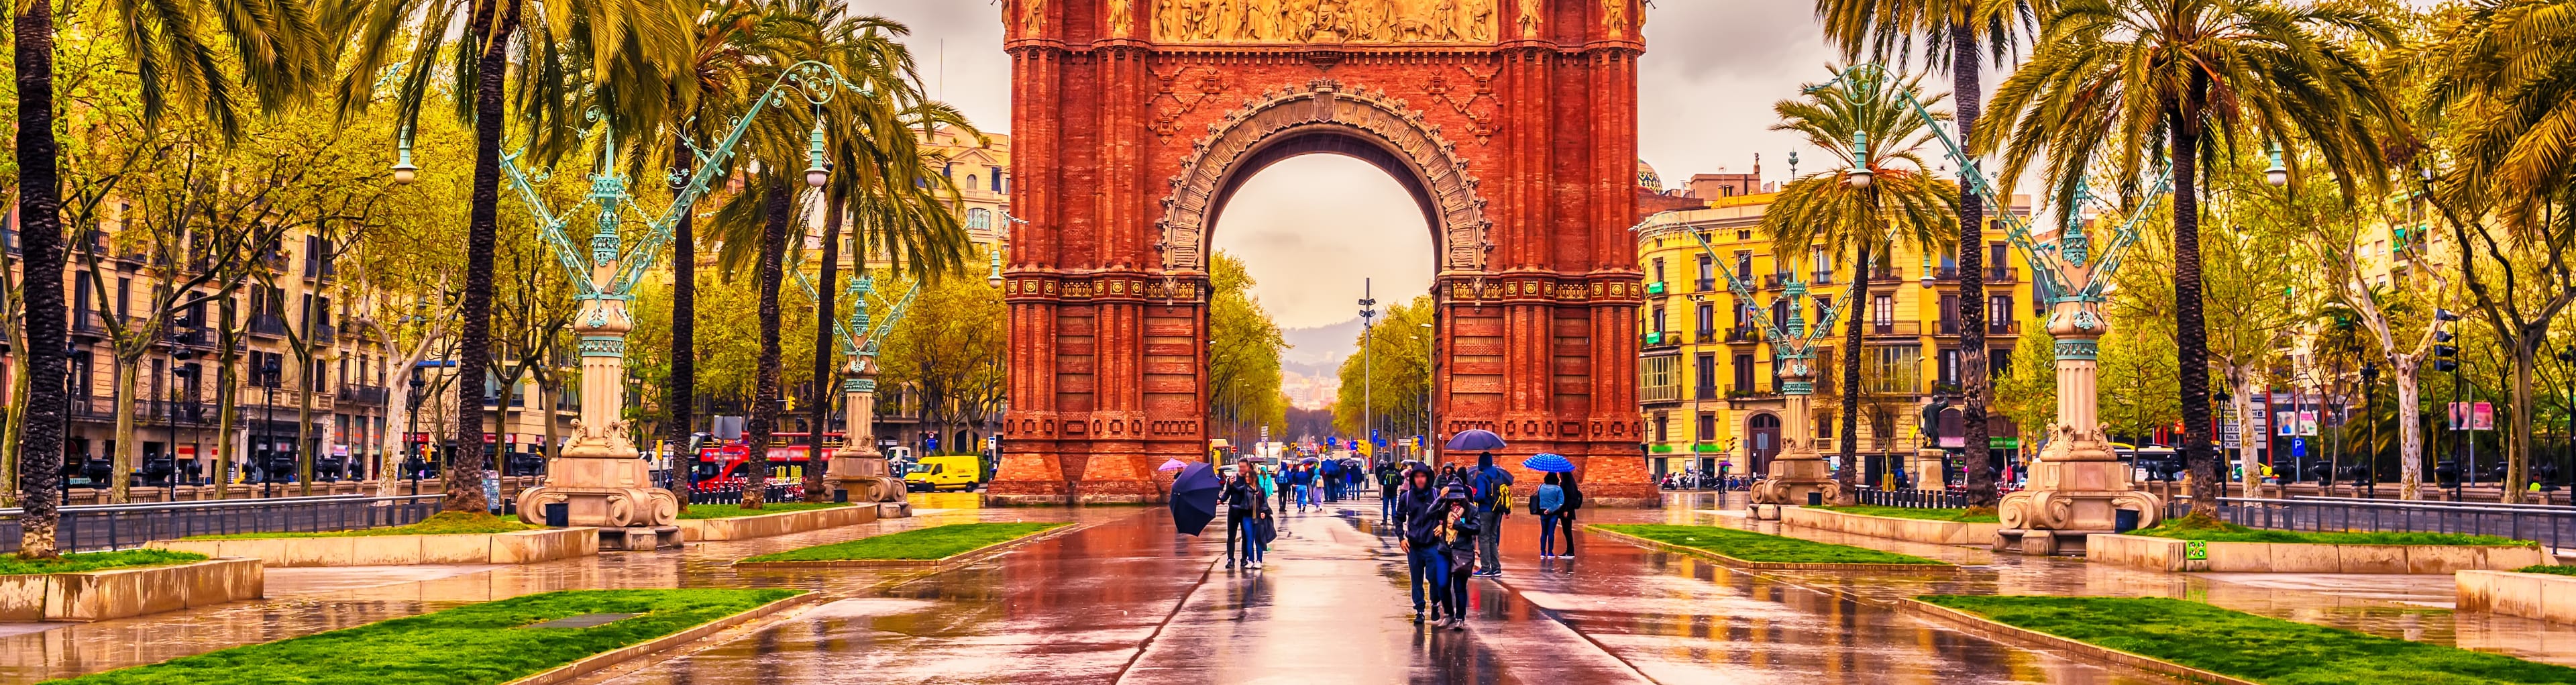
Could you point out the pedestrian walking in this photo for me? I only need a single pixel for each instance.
(1245, 506)
(1488, 486)
(1546, 504)
(1565, 514)
(1463, 533)
(1387, 477)
(1417, 514)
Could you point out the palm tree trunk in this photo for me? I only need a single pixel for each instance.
(677, 389)
(1968, 97)
(2191, 335)
(226, 395)
(1848, 477)
(474, 333)
(826, 309)
(764, 397)
(40, 440)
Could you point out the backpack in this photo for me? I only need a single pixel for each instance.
(1503, 497)
(1573, 498)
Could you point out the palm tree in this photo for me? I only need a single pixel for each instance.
(1880, 199)
(621, 45)
(714, 85)
(873, 158)
(2130, 81)
(1953, 31)
(281, 53)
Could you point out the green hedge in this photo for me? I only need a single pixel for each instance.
(938, 542)
(14, 565)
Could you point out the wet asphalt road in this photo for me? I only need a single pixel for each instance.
(1125, 600)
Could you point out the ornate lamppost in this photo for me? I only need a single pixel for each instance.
(596, 475)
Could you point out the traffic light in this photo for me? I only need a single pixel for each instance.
(2446, 358)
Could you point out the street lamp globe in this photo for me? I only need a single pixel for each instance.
(2279, 173)
(405, 173)
(815, 176)
(1859, 177)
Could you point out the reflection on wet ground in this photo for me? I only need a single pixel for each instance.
(1127, 600)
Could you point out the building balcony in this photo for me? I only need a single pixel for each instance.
(365, 395)
(1746, 334)
(1707, 284)
(2002, 274)
(1945, 273)
(270, 325)
(1705, 392)
(324, 333)
(1774, 281)
(1821, 278)
(2003, 328)
(1904, 329)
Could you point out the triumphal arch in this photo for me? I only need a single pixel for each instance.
(1513, 122)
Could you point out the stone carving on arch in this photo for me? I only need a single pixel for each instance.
(1434, 162)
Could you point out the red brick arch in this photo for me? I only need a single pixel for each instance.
(1521, 149)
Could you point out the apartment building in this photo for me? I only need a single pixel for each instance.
(1708, 387)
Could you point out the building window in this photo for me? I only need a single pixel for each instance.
(1882, 309)
(1707, 319)
(1949, 371)
(1656, 381)
(970, 182)
(1744, 374)
(1659, 269)
(996, 175)
(1894, 369)
(1707, 273)
(1999, 310)
(1999, 363)
(1743, 265)
(1708, 427)
(979, 219)
(1663, 427)
(1707, 376)
(1659, 320)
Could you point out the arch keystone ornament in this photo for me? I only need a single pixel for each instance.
(1134, 131)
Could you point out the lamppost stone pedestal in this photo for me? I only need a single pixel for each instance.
(857, 468)
(2077, 485)
(596, 476)
(1797, 475)
(1930, 468)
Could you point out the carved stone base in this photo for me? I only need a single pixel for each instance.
(864, 475)
(601, 507)
(2075, 488)
(639, 538)
(1792, 478)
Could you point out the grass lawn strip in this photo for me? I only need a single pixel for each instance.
(2242, 645)
(726, 511)
(1759, 548)
(2213, 531)
(2551, 569)
(920, 544)
(443, 523)
(479, 644)
(1958, 515)
(13, 565)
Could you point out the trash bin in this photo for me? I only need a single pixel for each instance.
(558, 514)
(1815, 499)
(2124, 520)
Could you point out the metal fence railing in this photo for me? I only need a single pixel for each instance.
(2553, 526)
(1912, 498)
(731, 493)
(123, 526)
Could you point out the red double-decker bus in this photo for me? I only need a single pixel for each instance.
(722, 463)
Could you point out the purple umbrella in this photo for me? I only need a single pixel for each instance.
(1475, 440)
(1172, 465)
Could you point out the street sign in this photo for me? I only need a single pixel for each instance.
(2308, 422)
(2298, 447)
(2230, 431)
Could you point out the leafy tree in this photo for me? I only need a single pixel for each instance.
(1955, 31)
(1397, 374)
(949, 348)
(2129, 82)
(1870, 124)
(1245, 344)
(2027, 392)
(283, 53)
(2499, 106)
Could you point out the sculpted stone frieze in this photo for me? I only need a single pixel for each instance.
(1323, 103)
(1325, 21)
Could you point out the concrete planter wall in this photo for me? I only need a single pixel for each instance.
(2161, 554)
(522, 547)
(1911, 530)
(119, 593)
(766, 525)
(2544, 596)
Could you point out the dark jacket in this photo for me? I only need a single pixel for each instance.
(1418, 512)
(1484, 483)
(1243, 498)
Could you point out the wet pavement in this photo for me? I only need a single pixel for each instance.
(1126, 600)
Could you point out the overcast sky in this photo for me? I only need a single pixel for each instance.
(1311, 228)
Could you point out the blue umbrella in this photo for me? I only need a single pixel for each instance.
(1475, 440)
(1194, 494)
(1549, 462)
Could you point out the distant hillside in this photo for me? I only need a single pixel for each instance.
(1318, 351)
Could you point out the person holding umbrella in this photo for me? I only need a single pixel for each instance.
(1245, 509)
(1554, 503)
(1417, 514)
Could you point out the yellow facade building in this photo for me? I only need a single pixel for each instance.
(1706, 383)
